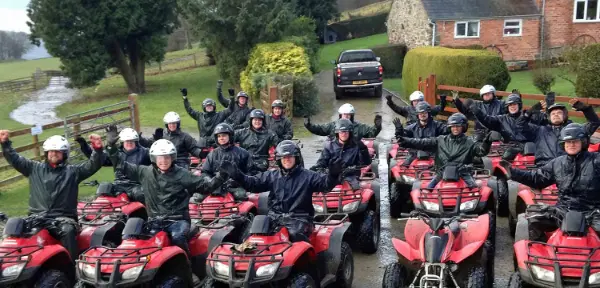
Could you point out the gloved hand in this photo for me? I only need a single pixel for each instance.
(443, 97)
(230, 169)
(158, 134)
(306, 120)
(399, 129)
(510, 154)
(388, 98)
(231, 92)
(536, 108)
(488, 138)
(314, 168)
(219, 84)
(111, 136)
(336, 167)
(516, 91)
(378, 121)
(577, 105)
(361, 145)
(455, 95)
(400, 140)
(507, 166)
(183, 92)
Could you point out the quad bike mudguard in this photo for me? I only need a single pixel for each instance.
(203, 241)
(94, 235)
(328, 246)
(260, 201)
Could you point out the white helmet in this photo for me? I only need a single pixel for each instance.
(162, 147)
(487, 89)
(171, 117)
(346, 109)
(129, 134)
(416, 96)
(57, 143)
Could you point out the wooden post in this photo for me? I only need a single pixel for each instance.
(160, 66)
(36, 149)
(195, 63)
(77, 126)
(134, 111)
(419, 87)
(433, 89)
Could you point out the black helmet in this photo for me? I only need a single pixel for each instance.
(559, 106)
(209, 102)
(342, 125)
(288, 148)
(574, 131)
(257, 113)
(458, 119)
(423, 107)
(277, 103)
(224, 128)
(241, 94)
(514, 99)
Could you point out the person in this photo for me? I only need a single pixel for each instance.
(345, 111)
(291, 188)
(226, 151)
(505, 124)
(409, 112)
(546, 136)
(425, 127)
(455, 149)
(240, 112)
(489, 105)
(352, 152)
(257, 140)
(207, 119)
(166, 186)
(186, 145)
(278, 122)
(575, 174)
(54, 184)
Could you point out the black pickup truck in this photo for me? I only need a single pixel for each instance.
(357, 71)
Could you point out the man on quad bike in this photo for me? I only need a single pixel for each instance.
(455, 149)
(546, 136)
(257, 140)
(505, 124)
(226, 151)
(490, 106)
(277, 122)
(346, 111)
(575, 175)
(240, 109)
(352, 152)
(424, 127)
(208, 119)
(184, 142)
(410, 112)
(167, 187)
(54, 184)
(291, 187)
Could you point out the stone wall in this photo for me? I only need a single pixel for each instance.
(408, 24)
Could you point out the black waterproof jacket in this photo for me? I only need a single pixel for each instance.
(185, 144)
(546, 136)
(232, 153)
(359, 131)
(492, 108)
(53, 190)
(410, 113)
(576, 178)
(207, 121)
(281, 126)
(433, 128)
(138, 156)
(239, 115)
(291, 192)
(166, 194)
(256, 142)
(449, 149)
(351, 154)
(505, 124)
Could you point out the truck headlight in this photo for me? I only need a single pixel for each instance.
(13, 270)
(267, 270)
(221, 269)
(133, 273)
(431, 206)
(318, 208)
(468, 205)
(542, 274)
(350, 207)
(87, 270)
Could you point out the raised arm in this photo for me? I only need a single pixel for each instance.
(321, 130)
(192, 146)
(224, 101)
(193, 113)
(92, 165)
(203, 184)
(537, 179)
(131, 170)
(425, 144)
(20, 163)
(491, 122)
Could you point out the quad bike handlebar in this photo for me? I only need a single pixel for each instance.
(420, 214)
(555, 212)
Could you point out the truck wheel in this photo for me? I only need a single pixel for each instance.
(53, 278)
(395, 276)
(368, 233)
(301, 280)
(379, 91)
(339, 93)
(345, 272)
(477, 278)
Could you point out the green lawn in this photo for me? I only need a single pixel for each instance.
(332, 51)
(25, 68)
(522, 80)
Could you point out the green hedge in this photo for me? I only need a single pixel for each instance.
(459, 67)
(586, 67)
(360, 27)
(470, 47)
(392, 59)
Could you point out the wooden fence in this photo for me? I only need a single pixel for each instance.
(37, 81)
(75, 125)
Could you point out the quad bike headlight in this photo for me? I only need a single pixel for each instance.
(542, 273)
(431, 206)
(132, 273)
(13, 271)
(221, 269)
(468, 205)
(87, 270)
(318, 208)
(594, 278)
(267, 270)
(350, 207)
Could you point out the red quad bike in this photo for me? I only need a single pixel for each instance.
(522, 196)
(270, 259)
(196, 163)
(31, 257)
(373, 146)
(594, 147)
(103, 219)
(569, 258)
(402, 179)
(395, 152)
(442, 252)
(362, 205)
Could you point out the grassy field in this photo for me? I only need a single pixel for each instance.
(331, 51)
(22, 69)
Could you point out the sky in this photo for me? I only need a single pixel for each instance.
(13, 15)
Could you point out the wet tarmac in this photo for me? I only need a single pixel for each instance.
(39, 109)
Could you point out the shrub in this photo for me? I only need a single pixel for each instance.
(301, 32)
(543, 80)
(458, 67)
(392, 59)
(360, 27)
(587, 61)
(469, 47)
(277, 58)
(305, 91)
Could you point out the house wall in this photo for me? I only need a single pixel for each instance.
(408, 24)
(524, 47)
(559, 28)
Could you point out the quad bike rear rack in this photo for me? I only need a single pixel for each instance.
(544, 198)
(99, 210)
(330, 219)
(338, 195)
(211, 211)
(553, 263)
(217, 223)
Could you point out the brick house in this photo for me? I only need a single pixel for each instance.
(517, 29)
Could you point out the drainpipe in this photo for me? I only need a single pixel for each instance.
(432, 24)
(543, 23)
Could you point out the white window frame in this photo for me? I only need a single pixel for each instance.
(575, 20)
(509, 27)
(467, 28)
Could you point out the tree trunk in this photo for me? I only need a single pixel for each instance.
(137, 66)
(125, 69)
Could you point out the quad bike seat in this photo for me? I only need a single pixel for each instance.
(451, 174)
(574, 224)
(422, 155)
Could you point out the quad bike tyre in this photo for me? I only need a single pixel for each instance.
(512, 225)
(492, 234)
(171, 281)
(476, 279)
(368, 232)
(301, 280)
(502, 199)
(515, 281)
(211, 283)
(345, 273)
(395, 276)
(396, 202)
(51, 279)
(490, 251)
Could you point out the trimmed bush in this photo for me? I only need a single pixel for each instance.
(587, 61)
(543, 80)
(469, 47)
(392, 59)
(305, 90)
(458, 67)
(277, 58)
(360, 27)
